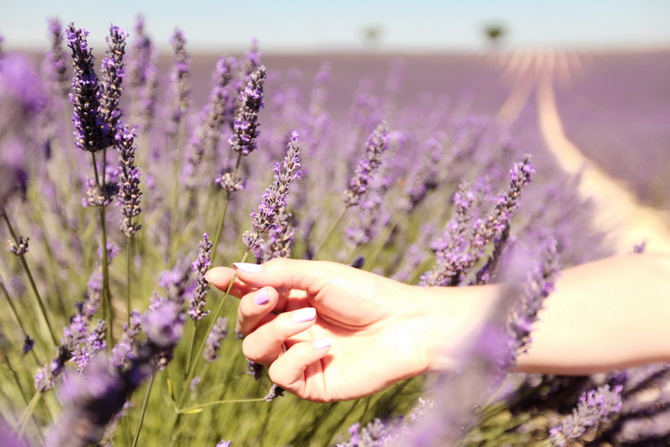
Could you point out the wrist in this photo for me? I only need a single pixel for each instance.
(448, 316)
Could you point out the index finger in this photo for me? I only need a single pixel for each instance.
(220, 278)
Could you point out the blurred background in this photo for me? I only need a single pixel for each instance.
(349, 25)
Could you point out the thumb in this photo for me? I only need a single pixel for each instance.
(310, 276)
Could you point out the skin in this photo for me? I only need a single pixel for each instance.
(369, 332)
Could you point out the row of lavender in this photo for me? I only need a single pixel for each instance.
(616, 111)
(168, 190)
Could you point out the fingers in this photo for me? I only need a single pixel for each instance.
(288, 371)
(220, 278)
(265, 343)
(254, 309)
(309, 276)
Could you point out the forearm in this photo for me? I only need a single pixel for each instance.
(604, 315)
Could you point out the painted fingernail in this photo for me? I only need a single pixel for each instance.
(262, 297)
(303, 315)
(247, 267)
(322, 343)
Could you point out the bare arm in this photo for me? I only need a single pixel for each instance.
(368, 332)
(605, 315)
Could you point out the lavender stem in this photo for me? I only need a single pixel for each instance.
(17, 318)
(28, 414)
(143, 412)
(38, 297)
(330, 231)
(129, 257)
(212, 321)
(174, 218)
(219, 226)
(217, 402)
(107, 309)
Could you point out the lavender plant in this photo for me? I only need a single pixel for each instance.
(422, 206)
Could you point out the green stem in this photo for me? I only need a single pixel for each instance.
(190, 353)
(28, 414)
(145, 403)
(202, 343)
(222, 217)
(38, 298)
(108, 311)
(174, 218)
(129, 257)
(106, 293)
(218, 402)
(330, 231)
(17, 318)
(12, 372)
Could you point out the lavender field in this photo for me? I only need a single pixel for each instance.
(126, 175)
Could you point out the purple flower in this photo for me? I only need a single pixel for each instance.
(126, 350)
(370, 215)
(274, 199)
(56, 59)
(223, 444)
(176, 282)
(594, 407)
(163, 325)
(450, 249)
(253, 57)
(90, 131)
(245, 126)
(143, 75)
(112, 73)
(92, 400)
(218, 333)
(19, 249)
(217, 113)
(539, 285)
(180, 79)
(274, 392)
(196, 307)
(377, 143)
(129, 193)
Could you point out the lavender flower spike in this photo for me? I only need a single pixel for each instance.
(377, 143)
(245, 126)
(180, 78)
(274, 198)
(56, 59)
(218, 333)
(113, 71)
(539, 285)
(129, 193)
(196, 307)
(89, 129)
(595, 407)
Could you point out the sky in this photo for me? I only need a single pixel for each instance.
(313, 26)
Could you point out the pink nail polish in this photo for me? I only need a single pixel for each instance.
(247, 267)
(262, 297)
(323, 343)
(303, 315)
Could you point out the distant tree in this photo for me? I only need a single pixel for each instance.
(494, 33)
(372, 36)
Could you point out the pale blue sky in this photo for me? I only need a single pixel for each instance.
(302, 25)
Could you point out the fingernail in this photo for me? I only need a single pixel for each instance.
(322, 343)
(262, 296)
(247, 267)
(303, 315)
(208, 276)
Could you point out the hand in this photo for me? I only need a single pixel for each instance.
(348, 333)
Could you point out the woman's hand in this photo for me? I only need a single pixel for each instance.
(347, 333)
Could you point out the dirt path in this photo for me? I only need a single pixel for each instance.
(619, 213)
